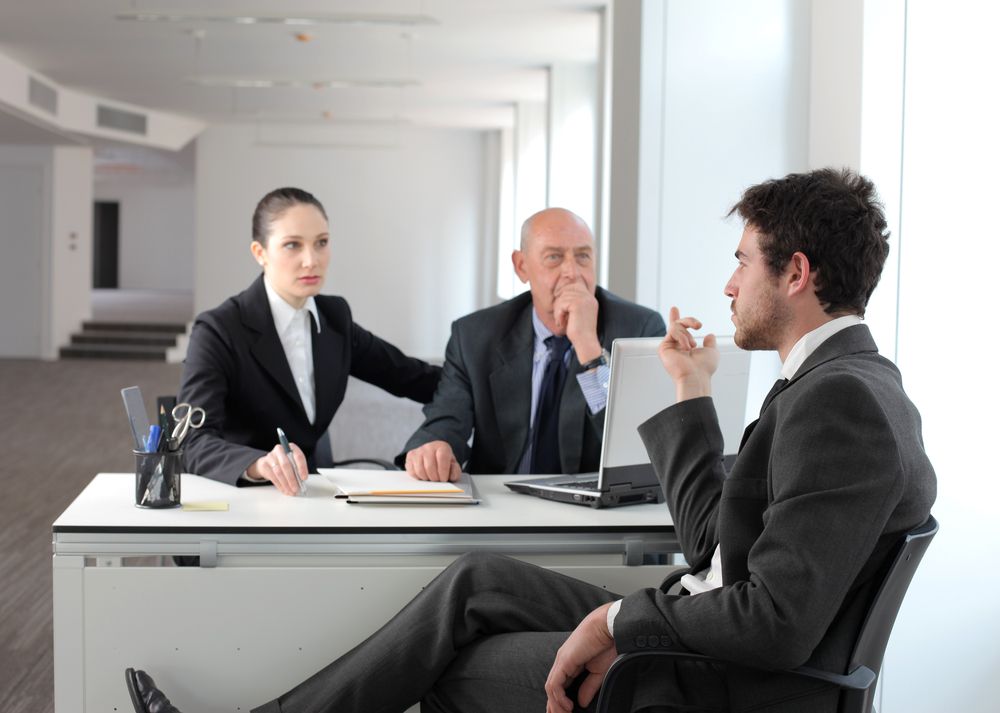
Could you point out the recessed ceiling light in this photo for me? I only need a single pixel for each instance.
(322, 118)
(307, 20)
(270, 83)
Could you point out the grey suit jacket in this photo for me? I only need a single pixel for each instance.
(485, 389)
(826, 482)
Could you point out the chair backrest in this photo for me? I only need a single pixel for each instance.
(372, 423)
(870, 647)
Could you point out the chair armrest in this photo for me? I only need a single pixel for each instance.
(860, 679)
(673, 578)
(383, 464)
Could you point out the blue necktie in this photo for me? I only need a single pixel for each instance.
(545, 434)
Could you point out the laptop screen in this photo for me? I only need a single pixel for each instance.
(640, 388)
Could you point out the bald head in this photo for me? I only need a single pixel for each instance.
(557, 252)
(554, 221)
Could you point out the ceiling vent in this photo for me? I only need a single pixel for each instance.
(42, 96)
(121, 120)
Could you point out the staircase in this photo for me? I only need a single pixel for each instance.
(123, 340)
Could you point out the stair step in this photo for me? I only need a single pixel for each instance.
(162, 327)
(159, 339)
(113, 351)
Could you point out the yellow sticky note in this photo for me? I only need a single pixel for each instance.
(206, 506)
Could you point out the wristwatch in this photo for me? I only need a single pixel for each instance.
(601, 360)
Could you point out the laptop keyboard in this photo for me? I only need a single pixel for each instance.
(581, 484)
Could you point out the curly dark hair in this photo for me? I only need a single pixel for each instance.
(834, 217)
(274, 204)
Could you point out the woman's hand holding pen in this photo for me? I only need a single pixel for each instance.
(276, 467)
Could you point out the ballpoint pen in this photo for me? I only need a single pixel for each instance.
(288, 452)
(153, 440)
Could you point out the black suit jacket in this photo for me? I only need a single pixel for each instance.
(826, 482)
(237, 371)
(485, 389)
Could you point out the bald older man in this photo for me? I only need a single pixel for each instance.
(526, 380)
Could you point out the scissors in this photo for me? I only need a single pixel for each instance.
(186, 417)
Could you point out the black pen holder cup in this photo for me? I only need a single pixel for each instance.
(158, 479)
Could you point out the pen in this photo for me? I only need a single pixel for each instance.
(153, 440)
(288, 452)
(164, 430)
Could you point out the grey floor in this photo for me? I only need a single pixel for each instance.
(60, 423)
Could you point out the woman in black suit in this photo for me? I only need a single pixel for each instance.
(278, 355)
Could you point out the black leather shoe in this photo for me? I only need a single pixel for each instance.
(146, 697)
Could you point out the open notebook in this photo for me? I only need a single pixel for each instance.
(396, 486)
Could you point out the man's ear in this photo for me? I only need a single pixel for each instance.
(517, 258)
(799, 275)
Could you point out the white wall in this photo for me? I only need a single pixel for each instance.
(572, 138)
(856, 118)
(24, 229)
(46, 237)
(71, 243)
(735, 87)
(525, 161)
(932, 151)
(630, 122)
(721, 102)
(156, 219)
(709, 98)
(943, 655)
(405, 219)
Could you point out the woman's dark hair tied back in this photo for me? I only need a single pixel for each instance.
(271, 206)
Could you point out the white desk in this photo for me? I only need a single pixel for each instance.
(287, 584)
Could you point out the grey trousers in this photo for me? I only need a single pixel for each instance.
(480, 637)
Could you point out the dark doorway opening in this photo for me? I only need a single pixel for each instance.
(106, 244)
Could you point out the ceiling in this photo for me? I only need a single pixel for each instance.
(18, 130)
(464, 65)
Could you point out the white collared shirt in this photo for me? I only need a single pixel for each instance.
(810, 341)
(295, 334)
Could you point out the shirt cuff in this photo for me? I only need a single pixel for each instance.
(612, 613)
(594, 384)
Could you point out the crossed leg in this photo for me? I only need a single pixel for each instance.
(480, 597)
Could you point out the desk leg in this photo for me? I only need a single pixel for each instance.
(67, 633)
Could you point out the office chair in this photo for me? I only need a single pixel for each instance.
(383, 464)
(858, 684)
(324, 453)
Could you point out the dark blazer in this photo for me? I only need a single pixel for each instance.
(826, 482)
(485, 389)
(237, 371)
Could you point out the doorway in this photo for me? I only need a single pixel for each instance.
(106, 244)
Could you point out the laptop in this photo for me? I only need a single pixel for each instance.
(639, 388)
